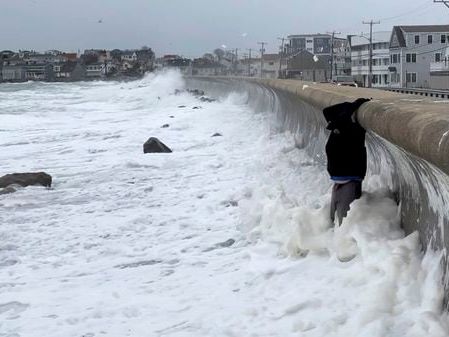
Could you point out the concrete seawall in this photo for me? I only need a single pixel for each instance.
(407, 142)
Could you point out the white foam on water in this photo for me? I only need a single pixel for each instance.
(127, 244)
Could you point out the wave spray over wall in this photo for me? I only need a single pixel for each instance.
(226, 236)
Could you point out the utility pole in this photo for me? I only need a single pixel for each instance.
(236, 60)
(370, 73)
(262, 50)
(249, 62)
(281, 56)
(332, 52)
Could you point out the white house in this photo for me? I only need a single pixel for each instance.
(413, 49)
(360, 56)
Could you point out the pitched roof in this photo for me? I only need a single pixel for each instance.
(397, 37)
(425, 28)
(378, 37)
(271, 57)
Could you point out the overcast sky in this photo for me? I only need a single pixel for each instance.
(193, 27)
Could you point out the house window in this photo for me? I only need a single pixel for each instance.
(429, 39)
(438, 57)
(395, 58)
(395, 78)
(410, 58)
(443, 38)
(416, 39)
(411, 77)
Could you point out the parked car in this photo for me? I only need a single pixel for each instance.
(347, 81)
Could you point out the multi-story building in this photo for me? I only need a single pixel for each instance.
(413, 49)
(360, 56)
(317, 44)
(341, 59)
(206, 67)
(13, 72)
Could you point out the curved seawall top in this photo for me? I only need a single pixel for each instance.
(407, 141)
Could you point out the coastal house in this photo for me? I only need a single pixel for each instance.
(69, 71)
(308, 67)
(35, 71)
(360, 56)
(13, 72)
(129, 55)
(412, 50)
(175, 61)
(206, 67)
(145, 59)
(94, 70)
(271, 65)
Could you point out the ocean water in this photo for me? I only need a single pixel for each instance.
(226, 236)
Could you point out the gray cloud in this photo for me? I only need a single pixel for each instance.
(192, 27)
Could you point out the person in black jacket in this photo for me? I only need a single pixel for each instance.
(346, 155)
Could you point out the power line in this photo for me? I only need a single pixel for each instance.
(445, 2)
(412, 11)
(409, 12)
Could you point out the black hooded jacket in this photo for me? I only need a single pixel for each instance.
(345, 148)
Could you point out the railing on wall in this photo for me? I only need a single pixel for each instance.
(444, 94)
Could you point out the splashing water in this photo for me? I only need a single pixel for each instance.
(226, 236)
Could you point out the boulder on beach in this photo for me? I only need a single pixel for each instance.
(26, 179)
(217, 134)
(207, 99)
(196, 92)
(7, 190)
(165, 126)
(154, 145)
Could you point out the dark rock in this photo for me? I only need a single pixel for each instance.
(228, 203)
(165, 126)
(227, 243)
(7, 190)
(207, 99)
(172, 116)
(138, 264)
(26, 179)
(154, 145)
(181, 106)
(217, 135)
(196, 107)
(196, 92)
